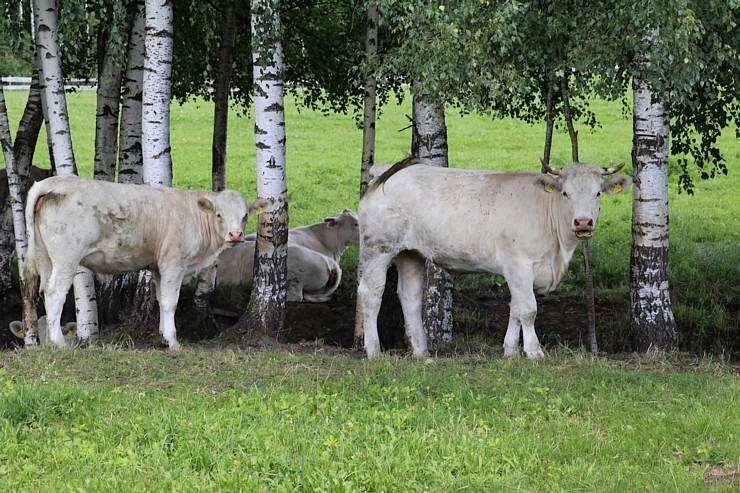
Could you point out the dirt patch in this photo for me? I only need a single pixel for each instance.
(561, 321)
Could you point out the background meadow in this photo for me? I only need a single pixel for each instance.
(310, 417)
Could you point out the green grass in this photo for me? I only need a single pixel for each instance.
(111, 419)
(323, 161)
(106, 418)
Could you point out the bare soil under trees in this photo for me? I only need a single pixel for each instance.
(481, 318)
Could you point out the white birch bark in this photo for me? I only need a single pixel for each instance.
(268, 298)
(368, 133)
(652, 321)
(155, 123)
(19, 223)
(109, 100)
(370, 103)
(430, 137)
(50, 73)
(130, 160)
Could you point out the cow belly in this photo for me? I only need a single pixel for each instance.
(110, 262)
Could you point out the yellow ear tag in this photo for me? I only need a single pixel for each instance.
(548, 189)
(21, 333)
(204, 207)
(617, 188)
(259, 210)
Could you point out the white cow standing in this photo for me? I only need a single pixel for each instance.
(111, 228)
(523, 226)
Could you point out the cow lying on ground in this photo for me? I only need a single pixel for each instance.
(312, 276)
(111, 228)
(331, 237)
(523, 226)
(69, 331)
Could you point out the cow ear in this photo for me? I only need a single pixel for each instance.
(331, 222)
(205, 205)
(70, 329)
(616, 184)
(548, 183)
(16, 327)
(258, 206)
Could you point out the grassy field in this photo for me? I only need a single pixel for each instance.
(112, 419)
(109, 418)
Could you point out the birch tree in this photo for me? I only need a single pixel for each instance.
(111, 57)
(23, 150)
(155, 123)
(267, 302)
(130, 160)
(652, 321)
(430, 137)
(15, 195)
(51, 80)
(370, 96)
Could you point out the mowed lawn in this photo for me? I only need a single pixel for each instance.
(313, 418)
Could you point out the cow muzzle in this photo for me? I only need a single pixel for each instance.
(235, 236)
(583, 227)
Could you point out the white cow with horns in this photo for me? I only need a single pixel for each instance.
(111, 228)
(523, 226)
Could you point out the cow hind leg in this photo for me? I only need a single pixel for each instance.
(410, 287)
(55, 294)
(523, 311)
(369, 296)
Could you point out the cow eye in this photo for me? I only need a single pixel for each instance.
(598, 194)
(565, 194)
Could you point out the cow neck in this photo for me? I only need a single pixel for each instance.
(567, 242)
(335, 247)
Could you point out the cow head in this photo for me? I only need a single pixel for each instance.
(230, 210)
(347, 225)
(579, 186)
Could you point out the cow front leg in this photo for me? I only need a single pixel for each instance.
(523, 311)
(168, 293)
(410, 286)
(369, 296)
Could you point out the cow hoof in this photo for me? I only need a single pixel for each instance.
(175, 346)
(536, 354)
(511, 353)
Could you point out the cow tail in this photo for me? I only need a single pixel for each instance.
(30, 272)
(324, 294)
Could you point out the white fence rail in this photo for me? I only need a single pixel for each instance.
(24, 83)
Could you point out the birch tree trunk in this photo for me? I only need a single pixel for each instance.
(652, 322)
(155, 123)
(130, 160)
(370, 109)
(50, 73)
(23, 150)
(221, 88)
(109, 96)
(266, 310)
(121, 294)
(155, 131)
(368, 129)
(19, 224)
(430, 132)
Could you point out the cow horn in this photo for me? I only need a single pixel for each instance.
(612, 170)
(546, 167)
